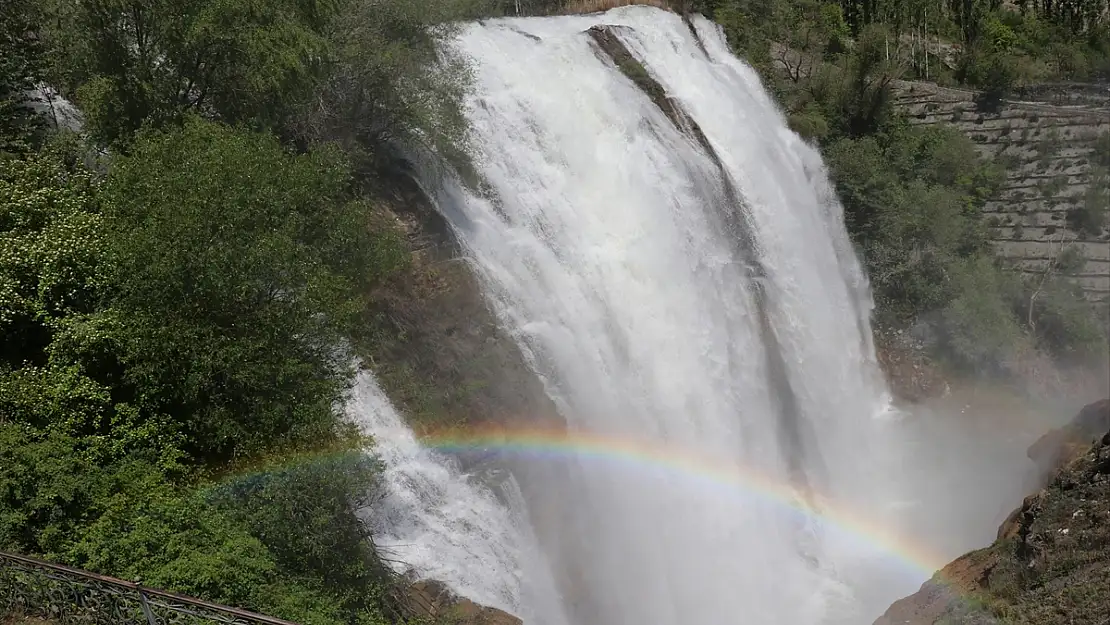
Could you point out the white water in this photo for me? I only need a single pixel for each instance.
(435, 524)
(608, 246)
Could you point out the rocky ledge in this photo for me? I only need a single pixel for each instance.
(430, 600)
(1051, 562)
(1063, 445)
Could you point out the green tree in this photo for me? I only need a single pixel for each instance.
(307, 513)
(393, 79)
(239, 268)
(979, 328)
(21, 66)
(130, 63)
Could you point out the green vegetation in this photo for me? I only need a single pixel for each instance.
(177, 314)
(180, 286)
(913, 196)
(1089, 217)
(149, 63)
(22, 60)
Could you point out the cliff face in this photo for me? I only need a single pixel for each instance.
(1051, 562)
(435, 346)
(1063, 445)
(1047, 139)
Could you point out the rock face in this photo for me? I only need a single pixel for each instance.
(1063, 445)
(1048, 137)
(432, 600)
(911, 374)
(1051, 562)
(436, 347)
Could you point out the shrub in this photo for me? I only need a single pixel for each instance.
(1089, 218)
(994, 73)
(1071, 260)
(307, 514)
(1100, 151)
(1062, 320)
(239, 269)
(979, 329)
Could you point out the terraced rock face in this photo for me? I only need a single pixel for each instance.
(1056, 178)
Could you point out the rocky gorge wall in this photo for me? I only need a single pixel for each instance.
(433, 342)
(1046, 137)
(1050, 564)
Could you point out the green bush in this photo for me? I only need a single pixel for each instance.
(238, 270)
(164, 540)
(994, 73)
(251, 61)
(307, 515)
(1089, 218)
(1101, 150)
(978, 325)
(51, 254)
(1062, 320)
(1071, 261)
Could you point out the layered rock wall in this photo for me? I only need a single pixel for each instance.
(1049, 148)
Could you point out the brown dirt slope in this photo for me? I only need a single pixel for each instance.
(1050, 564)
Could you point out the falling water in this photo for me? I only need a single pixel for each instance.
(434, 523)
(693, 293)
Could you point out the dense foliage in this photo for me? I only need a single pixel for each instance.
(22, 61)
(178, 287)
(983, 43)
(185, 310)
(133, 63)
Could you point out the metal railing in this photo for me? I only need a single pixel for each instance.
(67, 596)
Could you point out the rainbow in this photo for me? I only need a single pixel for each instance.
(737, 480)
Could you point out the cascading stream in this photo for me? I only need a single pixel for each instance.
(608, 244)
(434, 523)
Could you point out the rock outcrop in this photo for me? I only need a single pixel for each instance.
(1051, 562)
(1048, 138)
(1064, 444)
(910, 372)
(432, 600)
(435, 345)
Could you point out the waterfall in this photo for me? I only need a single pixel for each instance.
(675, 268)
(434, 523)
